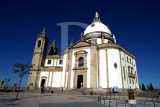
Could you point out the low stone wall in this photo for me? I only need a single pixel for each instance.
(122, 92)
(108, 91)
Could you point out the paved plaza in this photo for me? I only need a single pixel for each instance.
(57, 100)
(46, 100)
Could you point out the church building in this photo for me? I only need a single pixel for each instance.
(95, 61)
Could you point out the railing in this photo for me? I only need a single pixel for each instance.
(122, 101)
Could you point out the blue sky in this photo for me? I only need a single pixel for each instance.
(135, 24)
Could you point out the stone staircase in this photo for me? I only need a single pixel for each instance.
(68, 92)
(64, 92)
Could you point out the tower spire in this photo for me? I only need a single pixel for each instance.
(44, 30)
(114, 38)
(71, 42)
(43, 33)
(53, 49)
(96, 17)
(54, 43)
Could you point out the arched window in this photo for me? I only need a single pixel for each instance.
(81, 62)
(124, 73)
(39, 43)
(133, 81)
(129, 69)
(127, 59)
(130, 81)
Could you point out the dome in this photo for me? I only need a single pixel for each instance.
(97, 27)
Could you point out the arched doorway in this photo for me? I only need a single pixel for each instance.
(79, 81)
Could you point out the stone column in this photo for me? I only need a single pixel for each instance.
(32, 81)
(69, 71)
(93, 67)
(37, 79)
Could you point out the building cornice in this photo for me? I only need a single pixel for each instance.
(54, 56)
(80, 68)
(52, 68)
(116, 46)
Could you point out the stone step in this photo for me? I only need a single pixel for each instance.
(70, 92)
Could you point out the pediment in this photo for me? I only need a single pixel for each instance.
(80, 52)
(81, 44)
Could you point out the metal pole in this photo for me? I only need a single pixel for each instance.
(100, 99)
(144, 103)
(109, 102)
(116, 103)
(104, 101)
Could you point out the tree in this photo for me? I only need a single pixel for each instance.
(2, 83)
(151, 86)
(148, 87)
(7, 80)
(21, 70)
(143, 86)
(140, 86)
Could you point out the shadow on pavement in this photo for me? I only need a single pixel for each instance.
(8, 100)
(75, 104)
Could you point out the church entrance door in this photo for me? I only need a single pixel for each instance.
(42, 82)
(79, 81)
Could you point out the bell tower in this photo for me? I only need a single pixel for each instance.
(40, 49)
(38, 60)
(53, 49)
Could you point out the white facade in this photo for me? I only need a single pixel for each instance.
(95, 61)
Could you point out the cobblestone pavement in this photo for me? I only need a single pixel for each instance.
(55, 100)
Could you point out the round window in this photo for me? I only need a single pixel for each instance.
(115, 65)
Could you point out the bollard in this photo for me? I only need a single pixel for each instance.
(154, 104)
(100, 99)
(144, 103)
(104, 101)
(109, 102)
(125, 103)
